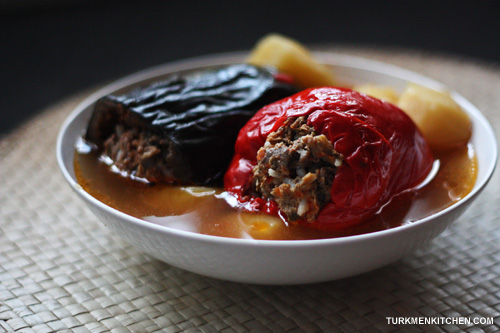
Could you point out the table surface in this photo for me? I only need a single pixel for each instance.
(61, 270)
(53, 48)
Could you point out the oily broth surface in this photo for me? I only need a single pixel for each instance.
(205, 210)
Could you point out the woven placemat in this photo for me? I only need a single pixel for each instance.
(61, 270)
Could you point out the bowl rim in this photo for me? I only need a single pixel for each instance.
(330, 58)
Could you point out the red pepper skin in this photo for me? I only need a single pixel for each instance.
(383, 151)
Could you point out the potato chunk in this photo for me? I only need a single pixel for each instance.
(440, 119)
(384, 93)
(260, 226)
(292, 58)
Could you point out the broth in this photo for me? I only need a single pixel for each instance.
(206, 210)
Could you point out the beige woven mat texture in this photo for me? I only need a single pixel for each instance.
(61, 270)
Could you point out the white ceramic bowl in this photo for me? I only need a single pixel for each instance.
(278, 262)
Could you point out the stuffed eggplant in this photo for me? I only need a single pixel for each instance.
(182, 130)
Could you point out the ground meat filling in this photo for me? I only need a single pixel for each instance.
(142, 154)
(295, 168)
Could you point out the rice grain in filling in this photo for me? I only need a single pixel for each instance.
(295, 168)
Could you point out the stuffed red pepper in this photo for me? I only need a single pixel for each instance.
(329, 158)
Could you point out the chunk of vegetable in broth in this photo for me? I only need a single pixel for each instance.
(387, 94)
(440, 119)
(292, 58)
(258, 226)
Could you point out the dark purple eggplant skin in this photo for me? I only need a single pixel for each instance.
(200, 115)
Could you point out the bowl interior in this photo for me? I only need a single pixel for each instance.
(350, 70)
